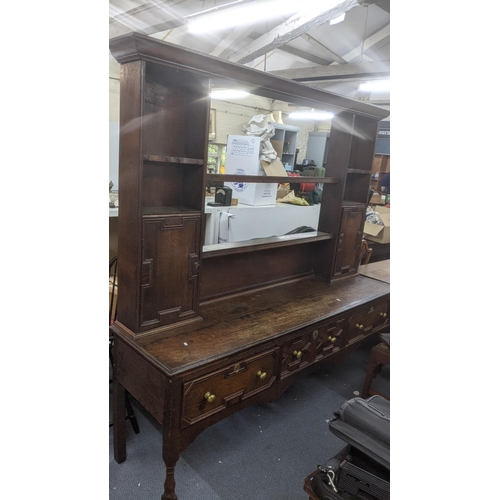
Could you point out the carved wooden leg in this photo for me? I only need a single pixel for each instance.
(379, 356)
(370, 375)
(169, 487)
(119, 430)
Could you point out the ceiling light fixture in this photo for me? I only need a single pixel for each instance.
(376, 86)
(206, 11)
(310, 115)
(228, 94)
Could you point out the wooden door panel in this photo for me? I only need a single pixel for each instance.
(170, 263)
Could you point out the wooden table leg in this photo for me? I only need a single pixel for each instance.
(169, 487)
(119, 430)
(379, 356)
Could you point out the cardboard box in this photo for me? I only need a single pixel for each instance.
(242, 158)
(377, 233)
(376, 199)
(278, 147)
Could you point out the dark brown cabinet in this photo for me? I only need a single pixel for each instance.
(203, 333)
(163, 128)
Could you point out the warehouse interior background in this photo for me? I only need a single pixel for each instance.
(333, 45)
(56, 112)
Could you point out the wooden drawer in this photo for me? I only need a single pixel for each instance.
(364, 322)
(332, 338)
(314, 345)
(300, 351)
(218, 390)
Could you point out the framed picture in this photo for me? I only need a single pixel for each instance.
(211, 126)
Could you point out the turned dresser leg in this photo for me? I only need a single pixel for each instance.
(169, 493)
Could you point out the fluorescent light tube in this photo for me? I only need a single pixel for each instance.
(376, 85)
(311, 115)
(228, 94)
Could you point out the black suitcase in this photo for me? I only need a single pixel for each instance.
(362, 467)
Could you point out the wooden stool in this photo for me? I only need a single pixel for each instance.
(379, 356)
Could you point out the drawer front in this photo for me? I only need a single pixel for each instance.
(216, 391)
(365, 321)
(332, 338)
(314, 345)
(300, 351)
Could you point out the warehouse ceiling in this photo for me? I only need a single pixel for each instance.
(290, 38)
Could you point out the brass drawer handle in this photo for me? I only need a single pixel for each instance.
(332, 339)
(359, 326)
(210, 397)
(315, 334)
(384, 315)
(297, 354)
(261, 375)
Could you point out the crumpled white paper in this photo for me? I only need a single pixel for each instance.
(373, 217)
(259, 126)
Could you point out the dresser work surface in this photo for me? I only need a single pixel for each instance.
(246, 349)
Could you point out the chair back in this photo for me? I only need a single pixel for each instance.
(365, 253)
(113, 289)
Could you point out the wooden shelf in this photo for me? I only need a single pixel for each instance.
(358, 171)
(263, 243)
(349, 203)
(153, 211)
(266, 178)
(174, 159)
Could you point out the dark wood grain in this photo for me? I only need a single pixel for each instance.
(255, 317)
(200, 336)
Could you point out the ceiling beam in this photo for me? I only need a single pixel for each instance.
(323, 48)
(306, 56)
(376, 38)
(356, 71)
(150, 17)
(155, 16)
(231, 40)
(295, 26)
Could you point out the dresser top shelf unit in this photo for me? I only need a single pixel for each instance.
(165, 271)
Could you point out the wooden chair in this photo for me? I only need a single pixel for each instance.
(113, 297)
(365, 253)
(380, 355)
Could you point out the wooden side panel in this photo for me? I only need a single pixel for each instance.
(144, 381)
(351, 234)
(129, 221)
(337, 160)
